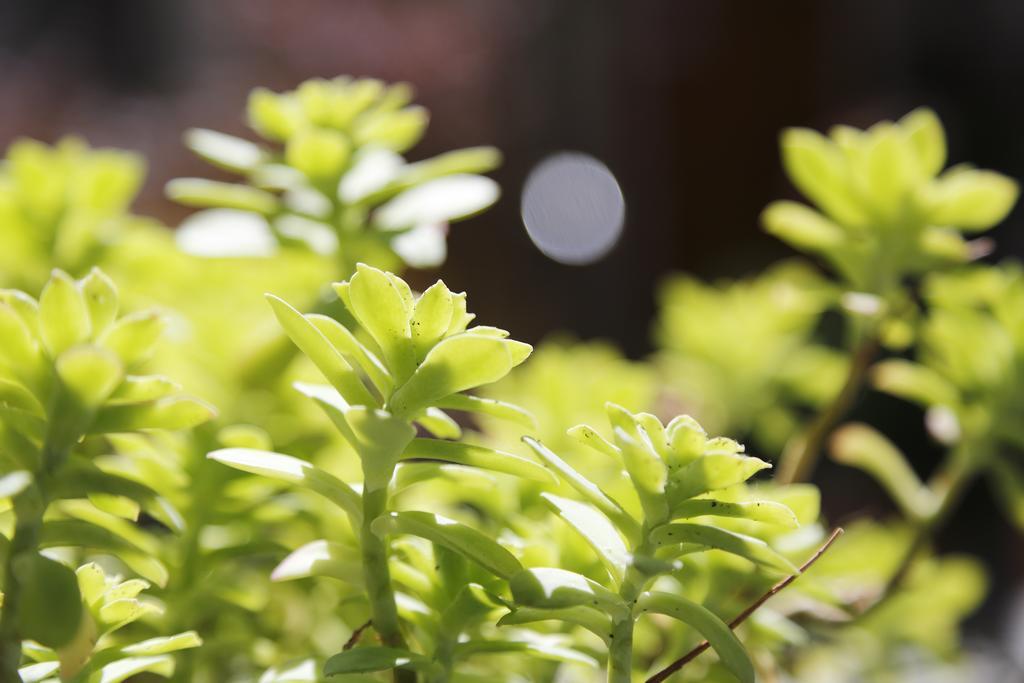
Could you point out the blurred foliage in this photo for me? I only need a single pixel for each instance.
(334, 182)
(741, 355)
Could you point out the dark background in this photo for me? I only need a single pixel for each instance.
(682, 100)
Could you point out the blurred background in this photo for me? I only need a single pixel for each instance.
(683, 101)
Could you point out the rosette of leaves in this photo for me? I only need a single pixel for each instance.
(884, 207)
(741, 355)
(332, 179)
(98, 652)
(418, 359)
(968, 375)
(66, 364)
(680, 479)
(62, 207)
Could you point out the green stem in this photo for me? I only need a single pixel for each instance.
(29, 507)
(620, 645)
(378, 578)
(801, 456)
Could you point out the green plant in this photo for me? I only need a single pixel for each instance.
(435, 551)
(66, 384)
(338, 185)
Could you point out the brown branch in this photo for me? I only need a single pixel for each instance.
(354, 638)
(745, 614)
(798, 461)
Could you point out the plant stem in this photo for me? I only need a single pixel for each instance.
(745, 614)
(384, 612)
(28, 507)
(801, 455)
(620, 646)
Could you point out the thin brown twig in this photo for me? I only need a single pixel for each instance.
(745, 614)
(354, 638)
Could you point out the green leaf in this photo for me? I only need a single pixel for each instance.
(458, 363)
(344, 341)
(397, 130)
(294, 471)
(101, 299)
(914, 382)
(552, 588)
(765, 511)
(369, 659)
(273, 116)
(599, 533)
(468, 160)
(321, 154)
(142, 388)
(490, 407)
(648, 473)
(817, 168)
(713, 472)
(202, 193)
(476, 456)
(753, 549)
(431, 317)
(859, 445)
(539, 649)
(450, 534)
(171, 413)
(19, 349)
(927, 138)
(159, 646)
(437, 201)
(90, 373)
(590, 491)
(63, 315)
(373, 169)
(124, 669)
(80, 477)
(801, 227)
(13, 483)
(226, 151)
(972, 199)
(321, 558)
(226, 233)
(439, 423)
(318, 349)
(583, 616)
(50, 605)
(133, 337)
(36, 673)
(716, 631)
(381, 305)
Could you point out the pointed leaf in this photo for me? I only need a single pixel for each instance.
(321, 558)
(599, 533)
(318, 349)
(753, 549)
(765, 511)
(476, 456)
(716, 631)
(552, 588)
(369, 659)
(450, 534)
(295, 471)
(456, 364)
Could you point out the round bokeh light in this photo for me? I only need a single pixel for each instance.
(573, 208)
